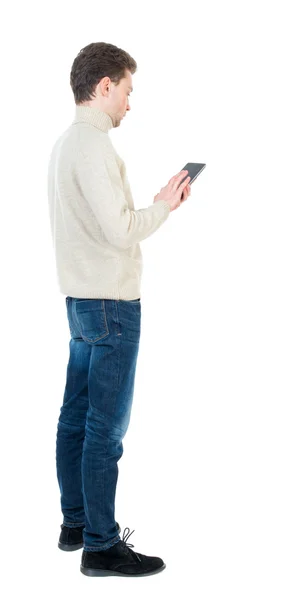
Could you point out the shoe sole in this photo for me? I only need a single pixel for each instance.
(107, 573)
(70, 547)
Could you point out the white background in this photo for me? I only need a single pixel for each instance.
(210, 475)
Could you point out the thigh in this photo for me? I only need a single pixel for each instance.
(112, 332)
(76, 395)
(129, 317)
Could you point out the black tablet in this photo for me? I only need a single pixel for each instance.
(194, 169)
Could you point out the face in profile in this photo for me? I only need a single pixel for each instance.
(119, 99)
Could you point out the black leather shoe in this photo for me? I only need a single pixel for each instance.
(71, 538)
(120, 560)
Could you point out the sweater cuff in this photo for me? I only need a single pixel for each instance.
(165, 207)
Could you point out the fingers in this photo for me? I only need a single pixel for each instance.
(186, 192)
(178, 176)
(180, 186)
(185, 182)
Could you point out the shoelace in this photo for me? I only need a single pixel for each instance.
(125, 537)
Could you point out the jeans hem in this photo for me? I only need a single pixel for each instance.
(73, 524)
(104, 546)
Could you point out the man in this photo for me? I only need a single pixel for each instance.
(96, 233)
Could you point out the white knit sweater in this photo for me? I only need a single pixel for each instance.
(95, 228)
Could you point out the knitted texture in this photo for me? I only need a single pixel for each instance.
(95, 228)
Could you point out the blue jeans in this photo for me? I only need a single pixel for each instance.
(95, 413)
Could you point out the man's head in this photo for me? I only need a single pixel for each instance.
(101, 77)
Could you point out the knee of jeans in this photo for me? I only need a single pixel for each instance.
(105, 427)
(67, 421)
(116, 433)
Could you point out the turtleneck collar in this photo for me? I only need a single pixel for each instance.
(96, 117)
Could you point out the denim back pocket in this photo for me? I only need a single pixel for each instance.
(91, 319)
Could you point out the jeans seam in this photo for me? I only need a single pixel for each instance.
(118, 320)
(105, 545)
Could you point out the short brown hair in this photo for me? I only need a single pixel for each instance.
(95, 61)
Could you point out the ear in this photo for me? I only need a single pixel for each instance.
(104, 84)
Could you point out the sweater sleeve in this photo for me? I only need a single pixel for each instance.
(100, 182)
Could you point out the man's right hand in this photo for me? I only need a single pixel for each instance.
(172, 192)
